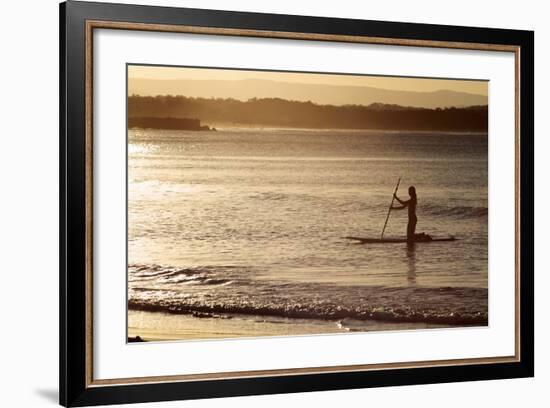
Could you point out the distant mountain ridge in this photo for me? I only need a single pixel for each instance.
(318, 93)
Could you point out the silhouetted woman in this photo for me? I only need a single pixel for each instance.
(411, 205)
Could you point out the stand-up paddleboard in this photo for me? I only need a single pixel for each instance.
(397, 240)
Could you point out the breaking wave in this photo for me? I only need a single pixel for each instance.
(203, 292)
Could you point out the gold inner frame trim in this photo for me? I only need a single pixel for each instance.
(99, 24)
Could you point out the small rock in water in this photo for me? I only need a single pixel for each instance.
(202, 315)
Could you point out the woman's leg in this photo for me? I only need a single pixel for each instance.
(411, 229)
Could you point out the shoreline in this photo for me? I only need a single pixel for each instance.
(160, 326)
(237, 127)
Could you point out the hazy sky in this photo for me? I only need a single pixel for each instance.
(152, 80)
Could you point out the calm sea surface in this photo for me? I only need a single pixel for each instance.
(251, 222)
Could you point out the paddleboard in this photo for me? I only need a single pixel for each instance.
(397, 240)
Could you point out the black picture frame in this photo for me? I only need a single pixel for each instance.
(75, 387)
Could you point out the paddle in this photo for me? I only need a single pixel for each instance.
(389, 210)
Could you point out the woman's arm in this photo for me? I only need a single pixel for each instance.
(403, 203)
(400, 201)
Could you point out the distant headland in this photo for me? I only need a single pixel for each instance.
(172, 112)
(167, 123)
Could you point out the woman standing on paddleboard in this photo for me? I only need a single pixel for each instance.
(411, 205)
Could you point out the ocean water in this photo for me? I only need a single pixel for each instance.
(251, 222)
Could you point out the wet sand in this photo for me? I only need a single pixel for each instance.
(163, 326)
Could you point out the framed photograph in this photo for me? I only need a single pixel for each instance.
(256, 204)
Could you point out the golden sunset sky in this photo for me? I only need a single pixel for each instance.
(319, 88)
